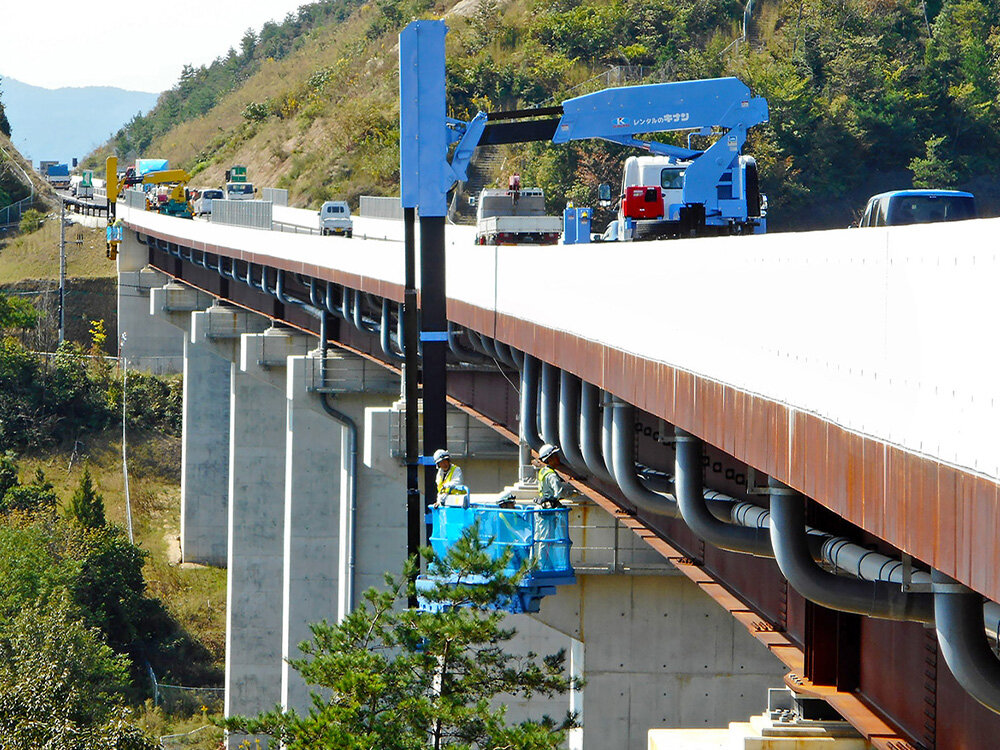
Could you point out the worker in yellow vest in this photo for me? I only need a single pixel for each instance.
(551, 486)
(449, 476)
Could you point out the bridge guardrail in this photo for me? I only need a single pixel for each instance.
(284, 226)
(135, 199)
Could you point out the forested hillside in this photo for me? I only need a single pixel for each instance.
(864, 94)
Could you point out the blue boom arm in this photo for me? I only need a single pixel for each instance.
(620, 114)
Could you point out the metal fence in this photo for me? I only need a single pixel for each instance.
(616, 75)
(255, 214)
(376, 207)
(179, 699)
(277, 196)
(12, 214)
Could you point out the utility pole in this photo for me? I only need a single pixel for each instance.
(62, 272)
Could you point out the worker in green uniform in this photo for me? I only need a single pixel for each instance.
(449, 476)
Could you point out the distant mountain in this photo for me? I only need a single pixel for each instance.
(68, 122)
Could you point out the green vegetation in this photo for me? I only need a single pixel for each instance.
(86, 507)
(16, 313)
(36, 255)
(200, 89)
(67, 396)
(401, 679)
(4, 122)
(864, 95)
(31, 221)
(60, 684)
(84, 613)
(78, 630)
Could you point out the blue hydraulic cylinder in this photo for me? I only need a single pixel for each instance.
(538, 535)
(576, 225)
(423, 136)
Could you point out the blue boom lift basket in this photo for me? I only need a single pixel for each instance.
(531, 533)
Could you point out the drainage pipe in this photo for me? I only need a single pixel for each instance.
(463, 353)
(569, 422)
(690, 493)
(506, 354)
(529, 403)
(385, 338)
(357, 316)
(607, 444)
(350, 467)
(958, 617)
(488, 346)
(332, 306)
(549, 409)
(623, 447)
(879, 599)
(590, 432)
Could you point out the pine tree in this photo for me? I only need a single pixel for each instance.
(398, 679)
(4, 122)
(86, 506)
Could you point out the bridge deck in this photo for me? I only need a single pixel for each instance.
(851, 364)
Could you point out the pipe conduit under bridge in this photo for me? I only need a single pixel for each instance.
(850, 369)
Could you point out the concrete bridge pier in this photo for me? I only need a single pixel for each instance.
(656, 652)
(205, 432)
(152, 344)
(322, 521)
(257, 458)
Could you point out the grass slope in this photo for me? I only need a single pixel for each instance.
(36, 255)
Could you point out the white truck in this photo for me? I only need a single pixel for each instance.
(335, 218)
(515, 217)
(82, 185)
(237, 187)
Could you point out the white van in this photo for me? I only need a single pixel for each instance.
(335, 218)
(203, 203)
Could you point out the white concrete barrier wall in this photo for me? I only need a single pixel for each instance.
(255, 214)
(276, 196)
(886, 332)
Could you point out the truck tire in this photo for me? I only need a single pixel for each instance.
(350, 233)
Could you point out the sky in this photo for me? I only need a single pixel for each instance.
(56, 43)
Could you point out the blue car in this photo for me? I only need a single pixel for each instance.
(900, 207)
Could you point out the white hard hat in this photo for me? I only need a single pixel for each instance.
(440, 455)
(547, 451)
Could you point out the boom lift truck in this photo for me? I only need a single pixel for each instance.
(175, 202)
(676, 191)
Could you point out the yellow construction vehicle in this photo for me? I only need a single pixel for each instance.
(174, 203)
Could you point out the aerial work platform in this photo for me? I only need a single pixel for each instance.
(538, 536)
